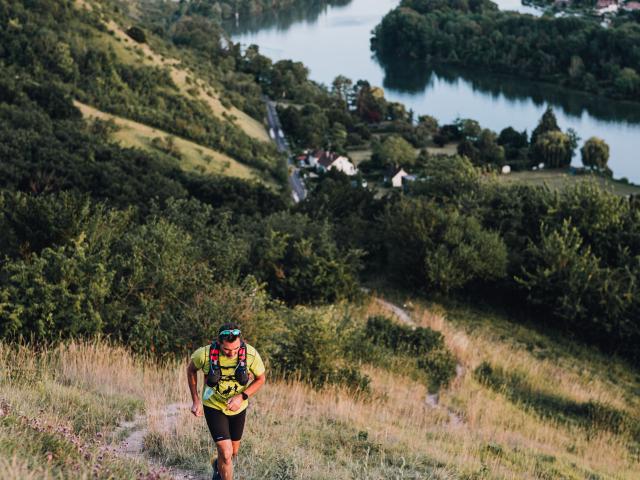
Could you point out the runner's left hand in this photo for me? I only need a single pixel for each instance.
(234, 403)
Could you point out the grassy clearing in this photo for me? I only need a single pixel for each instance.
(359, 156)
(559, 179)
(191, 156)
(523, 425)
(448, 149)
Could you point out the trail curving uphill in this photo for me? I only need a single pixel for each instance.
(433, 399)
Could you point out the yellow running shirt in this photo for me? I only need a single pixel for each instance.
(228, 386)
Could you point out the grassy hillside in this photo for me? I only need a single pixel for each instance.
(580, 417)
(86, 50)
(193, 157)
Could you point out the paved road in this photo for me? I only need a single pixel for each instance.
(298, 190)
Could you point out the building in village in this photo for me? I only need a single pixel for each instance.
(394, 176)
(324, 161)
(607, 6)
(631, 6)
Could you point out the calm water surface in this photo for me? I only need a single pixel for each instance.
(335, 40)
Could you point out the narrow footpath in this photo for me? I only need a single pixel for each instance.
(433, 399)
(133, 445)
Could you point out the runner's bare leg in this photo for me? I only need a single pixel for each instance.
(225, 455)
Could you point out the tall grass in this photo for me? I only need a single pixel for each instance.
(297, 432)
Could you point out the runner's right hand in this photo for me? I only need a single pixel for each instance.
(196, 408)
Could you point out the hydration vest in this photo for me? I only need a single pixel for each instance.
(215, 372)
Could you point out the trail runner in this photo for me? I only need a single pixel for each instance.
(233, 372)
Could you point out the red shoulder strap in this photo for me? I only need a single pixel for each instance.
(242, 354)
(214, 354)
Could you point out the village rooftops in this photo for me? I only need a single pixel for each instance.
(326, 159)
(605, 3)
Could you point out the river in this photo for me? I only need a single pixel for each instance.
(333, 41)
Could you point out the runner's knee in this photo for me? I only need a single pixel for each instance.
(225, 451)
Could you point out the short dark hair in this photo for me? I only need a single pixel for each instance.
(229, 326)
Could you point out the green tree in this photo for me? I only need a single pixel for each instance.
(628, 81)
(342, 87)
(515, 143)
(447, 178)
(394, 150)
(547, 123)
(595, 154)
(439, 249)
(554, 149)
(300, 261)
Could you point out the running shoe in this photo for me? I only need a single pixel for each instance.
(216, 473)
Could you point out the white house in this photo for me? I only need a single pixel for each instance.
(395, 176)
(607, 6)
(325, 161)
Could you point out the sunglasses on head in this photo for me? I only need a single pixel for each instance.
(229, 333)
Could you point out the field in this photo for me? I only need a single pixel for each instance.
(558, 179)
(523, 406)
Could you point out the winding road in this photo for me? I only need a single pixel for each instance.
(298, 190)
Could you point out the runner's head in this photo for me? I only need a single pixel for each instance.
(229, 339)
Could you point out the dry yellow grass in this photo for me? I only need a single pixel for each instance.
(294, 431)
(193, 156)
(296, 426)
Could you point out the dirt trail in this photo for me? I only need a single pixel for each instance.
(133, 445)
(432, 399)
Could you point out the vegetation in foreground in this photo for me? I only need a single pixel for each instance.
(501, 418)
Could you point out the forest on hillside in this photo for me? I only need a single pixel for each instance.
(101, 239)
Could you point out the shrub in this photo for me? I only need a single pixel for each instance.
(382, 330)
(137, 34)
(440, 365)
(427, 345)
(310, 349)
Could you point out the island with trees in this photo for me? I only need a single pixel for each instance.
(572, 51)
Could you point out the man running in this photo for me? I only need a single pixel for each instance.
(233, 372)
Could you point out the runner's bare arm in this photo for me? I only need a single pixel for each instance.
(192, 379)
(257, 383)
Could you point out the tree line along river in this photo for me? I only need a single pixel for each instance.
(333, 41)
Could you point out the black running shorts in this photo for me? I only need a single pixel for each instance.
(224, 427)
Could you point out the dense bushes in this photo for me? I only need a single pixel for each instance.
(300, 261)
(397, 337)
(570, 257)
(311, 349)
(430, 356)
(439, 249)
